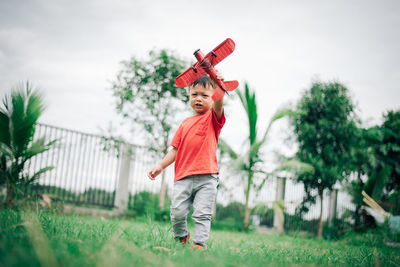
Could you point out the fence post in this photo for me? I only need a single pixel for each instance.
(122, 192)
(332, 205)
(280, 196)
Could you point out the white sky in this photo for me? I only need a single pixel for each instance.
(72, 49)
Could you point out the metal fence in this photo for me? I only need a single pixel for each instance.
(87, 168)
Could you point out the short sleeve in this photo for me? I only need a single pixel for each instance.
(176, 141)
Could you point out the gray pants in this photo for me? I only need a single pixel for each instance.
(199, 191)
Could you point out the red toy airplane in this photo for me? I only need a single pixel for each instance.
(206, 64)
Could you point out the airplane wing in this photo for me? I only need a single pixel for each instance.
(221, 51)
(189, 75)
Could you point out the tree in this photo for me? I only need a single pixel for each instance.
(325, 129)
(18, 119)
(250, 163)
(148, 99)
(376, 159)
(389, 152)
(384, 178)
(363, 160)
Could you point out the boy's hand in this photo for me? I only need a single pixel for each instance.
(156, 170)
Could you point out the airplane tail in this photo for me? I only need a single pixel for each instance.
(231, 85)
(218, 94)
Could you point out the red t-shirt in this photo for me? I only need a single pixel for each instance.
(196, 140)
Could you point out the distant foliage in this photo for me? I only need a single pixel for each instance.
(145, 204)
(389, 150)
(376, 160)
(148, 99)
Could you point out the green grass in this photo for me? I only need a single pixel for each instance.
(41, 238)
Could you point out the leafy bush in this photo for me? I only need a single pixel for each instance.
(266, 214)
(228, 224)
(146, 204)
(297, 223)
(18, 119)
(229, 217)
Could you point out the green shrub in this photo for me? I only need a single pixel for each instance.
(146, 204)
(233, 210)
(295, 223)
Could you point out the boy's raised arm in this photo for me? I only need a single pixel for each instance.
(164, 163)
(219, 104)
(219, 108)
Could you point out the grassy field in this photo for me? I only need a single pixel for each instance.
(44, 239)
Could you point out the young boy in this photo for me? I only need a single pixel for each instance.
(194, 149)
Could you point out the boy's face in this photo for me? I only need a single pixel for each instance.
(200, 98)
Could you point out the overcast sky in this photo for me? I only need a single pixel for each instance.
(72, 50)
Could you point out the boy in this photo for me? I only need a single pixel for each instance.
(194, 149)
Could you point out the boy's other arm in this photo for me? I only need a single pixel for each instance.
(164, 163)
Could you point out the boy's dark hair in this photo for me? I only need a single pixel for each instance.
(205, 81)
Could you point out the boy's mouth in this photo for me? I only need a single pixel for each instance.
(198, 105)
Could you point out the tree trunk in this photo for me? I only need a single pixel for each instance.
(246, 206)
(161, 200)
(246, 217)
(320, 225)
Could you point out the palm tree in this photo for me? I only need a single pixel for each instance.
(249, 162)
(18, 119)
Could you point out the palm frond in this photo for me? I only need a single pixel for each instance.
(255, 148)
(296, 166)
(252, 114)
(242, 98)
(248, 100)
(37, 174)
(225, 148)
(281, 113)
(4, 127)
(37, 147)
(27, 107)
(6, 151)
